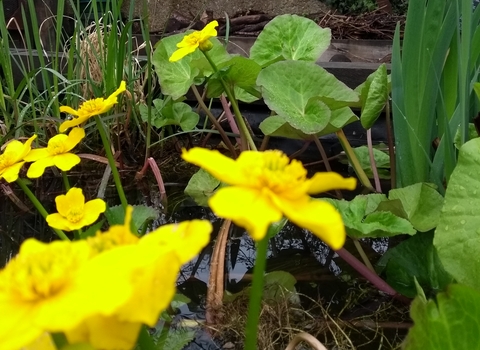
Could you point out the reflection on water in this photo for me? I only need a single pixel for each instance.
(318, 270)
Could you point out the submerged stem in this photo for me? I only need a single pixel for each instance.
(256, 293)
(111, 162)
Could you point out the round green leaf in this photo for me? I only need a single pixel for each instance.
(457, 237)
(290, 37)
(296, 90)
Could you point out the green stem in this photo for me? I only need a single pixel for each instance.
(245, 134)
(111, 162)
(354, 160)
(39, 207)
(66, 183)
(256, 293)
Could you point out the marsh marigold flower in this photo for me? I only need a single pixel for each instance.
(265, 186)
(73, 212)
(57, 153)
(197, 39)
(90, 108)
(53, 288)
(151, 263)
(12, 159)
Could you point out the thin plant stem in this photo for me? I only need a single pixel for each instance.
(111, 162)
(364, 256)
(264, 144)
(66, 183)
(369, 275)
(256, 293)
(391, 147)
(323, 154)
(354, 160)
(244, 132)
(39, 207)
(376, 178)
(214, 121)
(230, 117)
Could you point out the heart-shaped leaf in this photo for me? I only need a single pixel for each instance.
(290, 37)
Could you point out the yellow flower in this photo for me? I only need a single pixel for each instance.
(265, 186)
(90, 108)
(73, 212)
(197, 39)
(53, 288)
(11, 161)
(151, 264)
(56, 153)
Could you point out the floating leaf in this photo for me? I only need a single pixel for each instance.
(141, 214)
(415, 258)
(361, 220)
(290, 37)
(201, 187)
(450, 322)
(457, 237)
(422, 203)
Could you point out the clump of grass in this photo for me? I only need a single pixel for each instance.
(281, 320)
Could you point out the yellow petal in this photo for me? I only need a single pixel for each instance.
(44, 342)
(10, 174)
(182, 52)
(209, 31)
(317, 216)
(68, 110)
(186, 238)
(37, 168)
(73, 122)
(246, 207)
(121, 88)
(106, 333)
(36, 154)
(93, 209)
(27, 147)
(219, 166)
(15, 330)
(74, 138)
(57, 221)
(65, 161)
(322, 182)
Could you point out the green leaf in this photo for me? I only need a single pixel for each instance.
(472, 134)
(276, 227)
(201, 187)
(382, 161)
(175, 77)
(361, 220)
(141, 214)
(179, 300)
(290, 37)
(476, 88)
(169, 112)
(301, 101)
(451, 322)
(457, 237)
(422, 203)
(242, 72)
(279, 285)
(415, 258)
(92, 230)
(374, 95)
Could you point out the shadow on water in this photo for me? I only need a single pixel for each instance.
(324, 281)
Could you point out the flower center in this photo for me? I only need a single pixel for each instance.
(194, 38)
(278, 174)
(57, 145)
(41, 273)
(92, 106)
(75, 215)
(7, 159)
